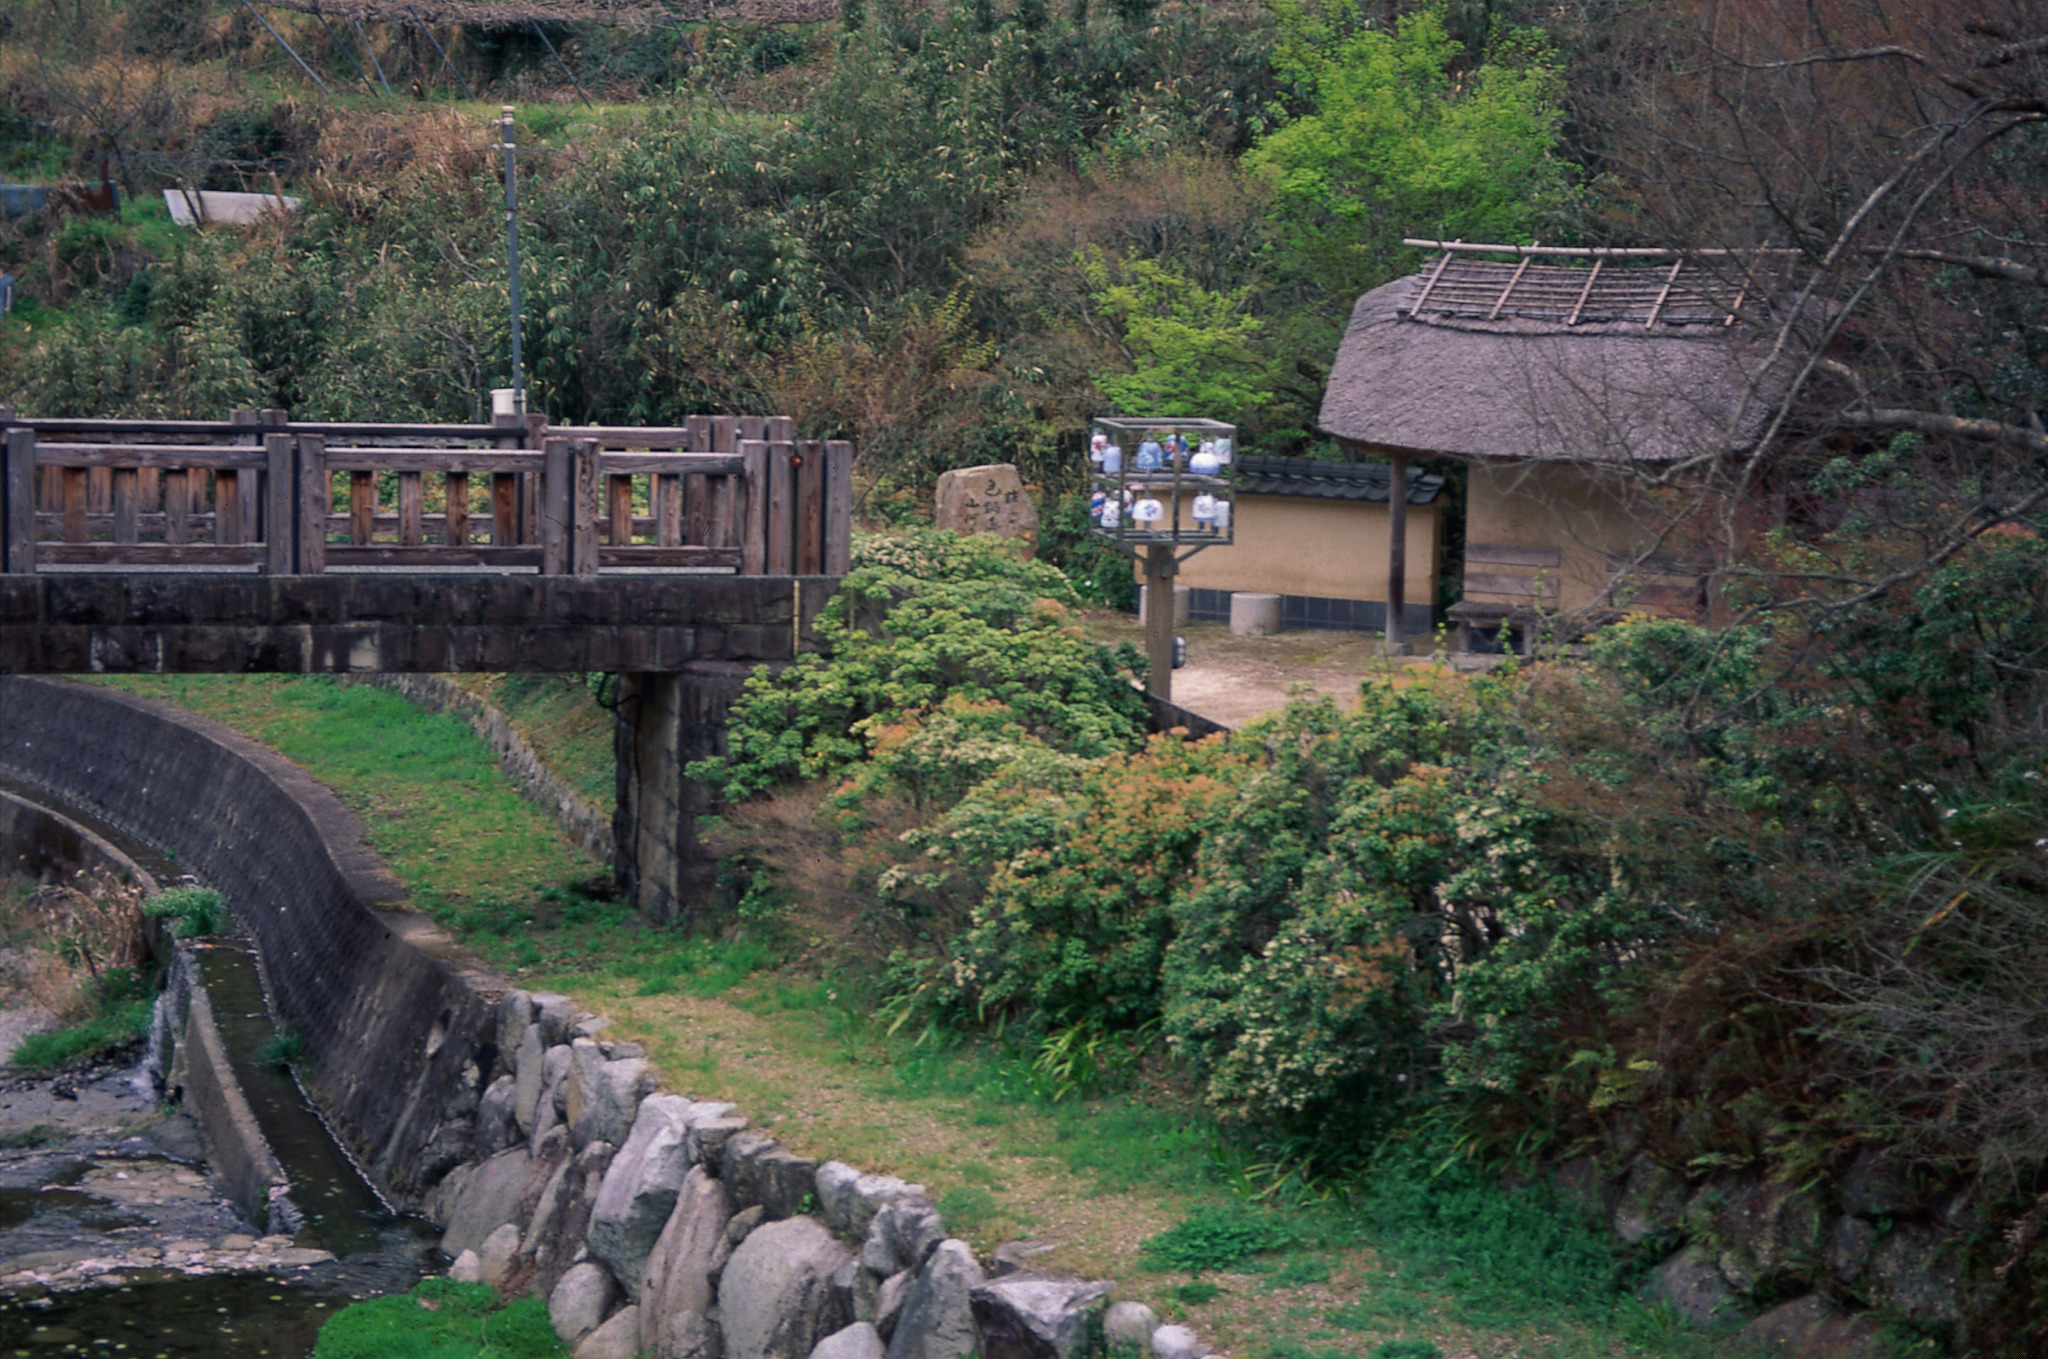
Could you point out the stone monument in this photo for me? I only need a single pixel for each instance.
(988, 499)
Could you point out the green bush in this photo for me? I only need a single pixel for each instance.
(191, 911)
(1216, 1238)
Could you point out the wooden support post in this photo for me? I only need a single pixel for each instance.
(588, 509)
(838, 507)
(619, 510)
(127, 497)
(178, 504)
(75, 496)
(257, 493)
(362, 507)
(781, 509)
(279, 486)
(810, 508)
(1397, 551)
(1160, 568)
(455, 502)
(411, 509)
(668, 510)
(557, 493)
(18, 497)
(316, 500)
(753, 509)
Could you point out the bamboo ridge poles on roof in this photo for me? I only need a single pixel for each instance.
(1457, 288)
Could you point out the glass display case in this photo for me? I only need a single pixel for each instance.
(1166, 483)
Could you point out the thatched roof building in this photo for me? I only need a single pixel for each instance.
(1555, 372)
(1478, 359)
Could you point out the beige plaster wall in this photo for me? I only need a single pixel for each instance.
(1586, 516)
(1328, 549)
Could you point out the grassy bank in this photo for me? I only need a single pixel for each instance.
(1446, 1260)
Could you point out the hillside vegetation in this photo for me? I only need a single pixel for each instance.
(1761, 904)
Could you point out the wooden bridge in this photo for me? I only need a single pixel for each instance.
(678, 557)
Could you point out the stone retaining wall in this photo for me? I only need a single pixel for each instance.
(652, 1222)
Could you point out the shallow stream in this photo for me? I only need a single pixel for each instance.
(116, 1242)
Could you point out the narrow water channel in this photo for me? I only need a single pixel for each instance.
(169, 1310)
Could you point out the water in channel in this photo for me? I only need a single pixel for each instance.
(68, 1198)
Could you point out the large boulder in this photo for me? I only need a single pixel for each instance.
(529, 1077)
(858, 1341)
(1913, 1273)
(936, 1320)
(679, 1291)
(497, 1257)
(555, 1015)
(1036, 1316)
(775, 1295)
(496, 1128)
(1691, 1283)
(555, 1238)
(1814, 1328)
(901, 1235)
(1652, 1202)
(1128, 1325)
(987, 499)
(618, 1338)
(515, 1016)
(581, 1301)
(501, 1190)
(639, 1190)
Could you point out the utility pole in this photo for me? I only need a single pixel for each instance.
(512, 259)
(1160, 569)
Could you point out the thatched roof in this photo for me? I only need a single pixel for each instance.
(1436, 364)
(1314, 479)
(519, 13)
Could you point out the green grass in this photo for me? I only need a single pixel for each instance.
(440, 1320)
(121, 1004)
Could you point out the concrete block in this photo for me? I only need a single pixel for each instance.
(1253, 614)
(1183, 604)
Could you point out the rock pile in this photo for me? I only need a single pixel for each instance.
(656, 1224)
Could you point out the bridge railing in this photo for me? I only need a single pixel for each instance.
(717, 493)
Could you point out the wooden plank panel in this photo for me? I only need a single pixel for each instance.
(18, 496)
(455, 520)
(177, 505)
(74, 504)
(725, 434)
(643, 464)
(362, 506)
(99, 490)
(752, 510)
(127, 493)
(698, 428)
(752, 427)
(810, 507)
(504, 510)
(838, 507)
(668, 511)
(780, 429)
(1531, 587)
(619, 510)
(279, 514)
(411, 505)
(227, 507)
(316, 499)
(669, 557)
(341, 556)
(51, 494)
(1502, 554)
(146, 455)
(530, 493)
(588, 507)
(432, 460)
(149, 487)
(781, 510)
(150, 554)
(559, 492)
(724, 531)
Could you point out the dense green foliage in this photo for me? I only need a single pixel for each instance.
(120, 1005)
(440, 1320)
(191, 911)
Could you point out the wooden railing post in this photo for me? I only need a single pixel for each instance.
(838, 507)
(781, 509)
(278, 494)
(316, 499)
(18, 499)
(589, 507)
(753, 508)
(556, 494)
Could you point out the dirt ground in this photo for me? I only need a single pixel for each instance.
(1231, 680)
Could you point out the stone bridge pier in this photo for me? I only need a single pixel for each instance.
(664, 722)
